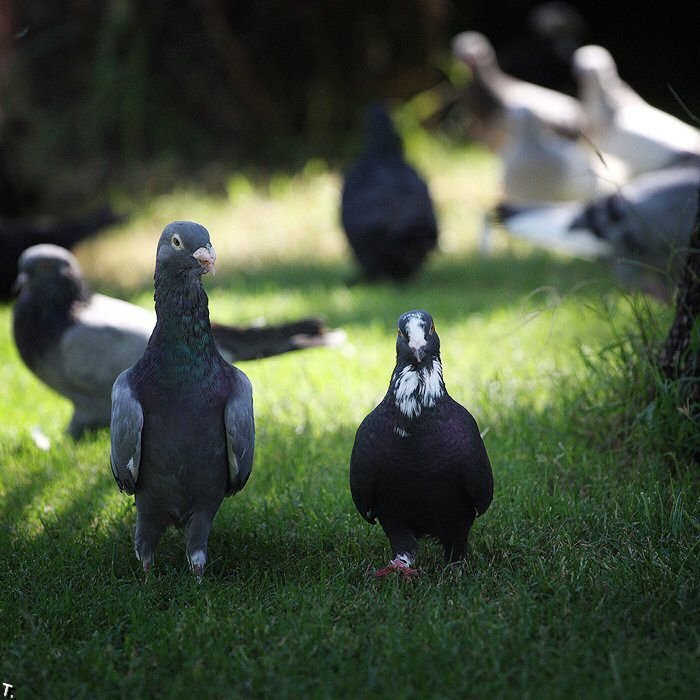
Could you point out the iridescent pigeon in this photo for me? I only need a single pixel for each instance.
(182, 429)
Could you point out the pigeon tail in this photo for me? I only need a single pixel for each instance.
(552, 227)
(255, 342)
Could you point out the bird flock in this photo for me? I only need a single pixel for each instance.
(600, 175)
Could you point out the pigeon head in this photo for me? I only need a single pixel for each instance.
(594, 63)
(184, 247)
(417, 343)
(475, 50)
(379, 129)
(51, 271)
(558, 21)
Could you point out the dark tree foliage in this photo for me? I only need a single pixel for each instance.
(90, 87)
(137, 78)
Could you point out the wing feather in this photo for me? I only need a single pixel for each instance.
(125, 434)
(240, 433)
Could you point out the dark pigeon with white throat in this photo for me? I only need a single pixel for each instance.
(419, 465)
(182, 429)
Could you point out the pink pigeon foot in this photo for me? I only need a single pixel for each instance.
(396, 566)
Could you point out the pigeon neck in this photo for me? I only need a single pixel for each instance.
(416, 389)
(387, 143)
(40, 318)
(182, 336)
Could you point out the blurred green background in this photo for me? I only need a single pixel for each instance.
(141, 94)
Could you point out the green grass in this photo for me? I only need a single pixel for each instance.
(581, 579)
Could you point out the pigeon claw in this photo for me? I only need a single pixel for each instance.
(198, 571)
(396, 566)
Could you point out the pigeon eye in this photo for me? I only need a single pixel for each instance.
(176, 242)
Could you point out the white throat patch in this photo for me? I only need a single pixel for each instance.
(418, 389)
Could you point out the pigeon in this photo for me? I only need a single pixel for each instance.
(491, 92)
(644, 227)
(418, 464)
(621, 123)
(542, 53)
(386, 209)
(78, 342)
(541, 166)
(182, 431)
(18, 235)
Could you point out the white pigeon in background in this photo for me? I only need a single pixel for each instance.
(621, 123)
(540, 166)
(492, 92)
(644, 228)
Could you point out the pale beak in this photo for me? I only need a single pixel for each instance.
(206, 257)
(419, 353)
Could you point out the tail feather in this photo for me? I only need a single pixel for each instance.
(555, 227)
(254, 342)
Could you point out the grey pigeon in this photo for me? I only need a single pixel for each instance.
(386, 209)
(182, 429)
(644, 228)
(621, 123)
(492, 92)
(77, 341)
(419, 465)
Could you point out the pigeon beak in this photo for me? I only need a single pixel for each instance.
(21, 280)
(206, 256)
(419, 353)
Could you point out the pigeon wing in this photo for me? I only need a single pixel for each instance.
(362, 470)
(240, 433)
(125, 434)
(476, 473)
(110, 335)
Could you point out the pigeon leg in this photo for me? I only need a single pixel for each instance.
(148, 533)
(403, 549)
(454, 542)
(79, 423)
(197, 538)
(455, 549)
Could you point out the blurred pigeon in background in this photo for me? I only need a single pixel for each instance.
(621, 123)
(644, 228)
(540, 166)
(18, 235)
(418, 464)
(491, 93)
(182, 429)
(77, 341)
(542, 53)
(386, 209)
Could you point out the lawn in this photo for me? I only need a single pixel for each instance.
(581, 579)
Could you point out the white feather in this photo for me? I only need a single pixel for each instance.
(418, 389)
(416, 332)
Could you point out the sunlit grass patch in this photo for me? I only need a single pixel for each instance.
(581, 576)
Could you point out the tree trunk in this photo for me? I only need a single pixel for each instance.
(680, 355)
